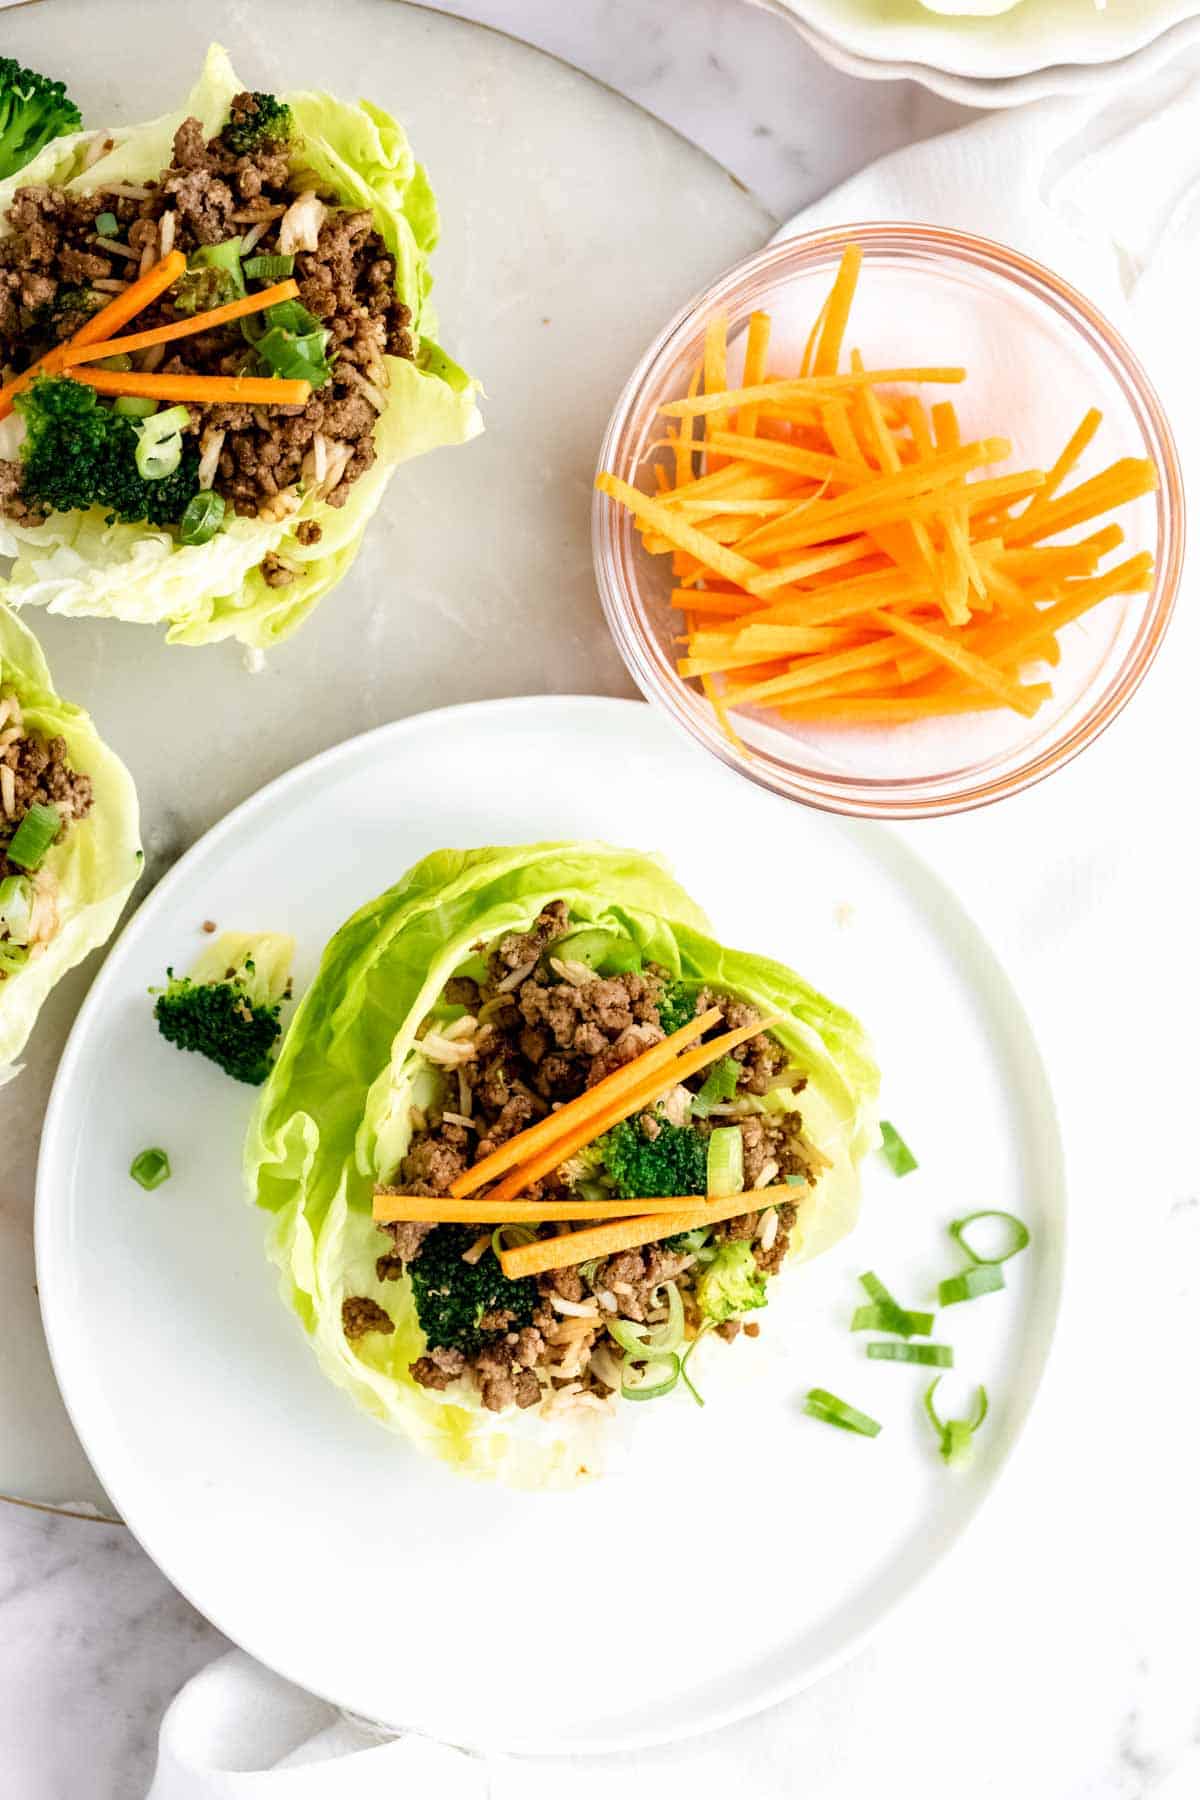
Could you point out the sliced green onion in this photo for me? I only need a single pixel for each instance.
(983, 1278)
(1018, 1240)
(159, 444)
(956, 1434)
(107, 224)
(120, 364)
(202, 518)
(34, 836)
(934, 1356)
(900, 1158)
(725, 1162)
(875, 1288)
(657, 1378)
(268, 268)
(290, 342)
(819, 1403)
(690, 1242)
(150, 1168)
(686, 1379)
(648, 1342)
(896, 1319)
(12, 958)
(720, 1085)
(796, 1180)
(134, 406)
(506, 1237)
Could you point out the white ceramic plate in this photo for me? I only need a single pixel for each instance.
(1042, 83)
(1017, 41)
(326, 1546)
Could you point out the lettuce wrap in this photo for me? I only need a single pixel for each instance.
(77, 564)
(88, 875)
(336, 1116)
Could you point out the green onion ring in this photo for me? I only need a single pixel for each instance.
(896, 1319)
(900, 1158)
(819, 1403)
(150, 1168)
(1020, 1236)
(979, 1279)
(650, 1386)
(642, 1342)
(935, 1356)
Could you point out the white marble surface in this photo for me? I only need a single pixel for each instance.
(1054, 1658)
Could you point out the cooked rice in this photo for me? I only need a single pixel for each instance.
(8, 791)
(768, 1229)
(99, 146)
(210, 455)
(110, 287)
(111, 246)
(767, 1174)
(166, 232)
(460, 1119)
(574, 1309)
(477, 1248)
(518, 975)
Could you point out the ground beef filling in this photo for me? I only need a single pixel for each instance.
(34, 771)
(55, 270)
(539, 1030)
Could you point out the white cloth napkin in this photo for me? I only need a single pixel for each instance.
(1110, 198)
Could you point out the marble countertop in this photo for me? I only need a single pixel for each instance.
(1064, 1672)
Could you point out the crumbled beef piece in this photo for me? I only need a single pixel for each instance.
(751, 1328)
(559, 1077)
(729, 1329)
(389, 1268)
(566, 1283)
(308, 532)
(275, 572)
(492, 1373)
(460, 990)
(513, 1116)
(361, 1316)
(555, 1005)
(42, 776)
(188, 145)
(499, 1318)
(204, 203)
(631, 1043)
(517, 948)
(407, 1236)
(81, 266)
(533, 1044)
(437, 1370)
(13, 505)
(528, 1389)
(430, 1166)
(530, 1346)
(756, 1148)
(589, 1038)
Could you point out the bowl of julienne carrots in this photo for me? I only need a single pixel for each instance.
(891, 519)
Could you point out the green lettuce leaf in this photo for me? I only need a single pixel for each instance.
(334, 1117)
(99, 860)
(77, 565)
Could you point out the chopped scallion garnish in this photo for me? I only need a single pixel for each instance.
(983, 1278)
(683, 1363)
(1018, 1239)
(648, 1342)
(12, 958)
(896, 1319)
(956, 1435)
(657, 1378)
(34, 836)
(150, 1168)
(819, 1403)
(134, 406)
(900, 1158)
(934, 1356)
(159, 443)
(202, 518)
(268, 268)
(725, 1162)
(107, 224)
(720, 1086)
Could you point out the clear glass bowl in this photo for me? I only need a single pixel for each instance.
(1037, 354)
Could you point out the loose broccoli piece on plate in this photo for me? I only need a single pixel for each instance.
(256, 120)
(452, 1296)
(732, 1283)
(33, 111)
(227, 1009)
(79, 453)
(641, 1168)
(676, 1006)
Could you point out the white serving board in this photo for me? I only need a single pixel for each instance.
(573, 226)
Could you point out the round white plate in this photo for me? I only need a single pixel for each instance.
(598, 1619)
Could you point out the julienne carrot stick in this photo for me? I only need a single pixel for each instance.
(390, 1207)
(120, 309)
(915, 580)
(594, 1100)
(202, 390)
(244, 308)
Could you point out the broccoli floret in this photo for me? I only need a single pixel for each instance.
(731, 1283)
(33, 111)
(228, 1007)
(452, 1295)
(256, 120)
(642, 1168)
(676, 1005)
(79, 453)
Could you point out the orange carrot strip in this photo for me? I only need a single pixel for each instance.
(571, 1248)
(726, 563)
(166, 334)
(793, 458)
(390, 1206)
(203, 390)
(707, 600)
(787, 389)
(897, 710)
(819, 668)
(1125, 480)
(975, 668)
(758, 337)
(685, 465)
(1074, 448)
(123, 307)
(841, 298)
(548, 1130)
(634, 1099)
(716, 338)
